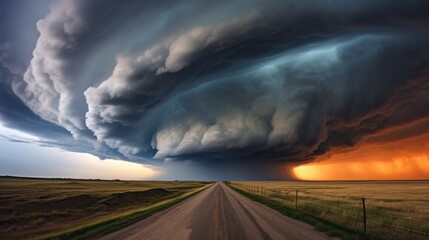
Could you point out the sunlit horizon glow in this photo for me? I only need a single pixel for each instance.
(412, 168)
(57, 163)
(54, 162)
(406, 159)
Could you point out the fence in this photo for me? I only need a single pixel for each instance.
(357, 213)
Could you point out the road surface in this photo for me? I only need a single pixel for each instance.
(218, 213)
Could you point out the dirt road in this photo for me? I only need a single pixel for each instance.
(218, 213)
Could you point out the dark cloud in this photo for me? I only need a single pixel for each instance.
(218, 84)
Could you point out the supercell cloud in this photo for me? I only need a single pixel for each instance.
(220, 83)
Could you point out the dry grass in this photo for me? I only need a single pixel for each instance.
(394, 208)
(35, 207)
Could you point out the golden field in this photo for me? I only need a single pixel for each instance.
(394, 209)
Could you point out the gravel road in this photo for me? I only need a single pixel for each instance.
(218, 213)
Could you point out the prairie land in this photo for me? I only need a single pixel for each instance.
(31, 208)
(394, 209)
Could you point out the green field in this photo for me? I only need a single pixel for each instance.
(32, 208)
(394, 209)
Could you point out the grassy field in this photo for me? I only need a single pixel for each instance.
(394, 209)
(32, 208)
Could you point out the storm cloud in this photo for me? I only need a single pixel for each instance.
(221, 82)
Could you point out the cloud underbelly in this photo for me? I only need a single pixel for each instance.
(262, 106)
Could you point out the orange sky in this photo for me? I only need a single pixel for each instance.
(382, 156)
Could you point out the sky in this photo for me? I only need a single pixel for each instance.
(215, 90)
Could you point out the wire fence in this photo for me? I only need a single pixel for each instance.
(359, 213)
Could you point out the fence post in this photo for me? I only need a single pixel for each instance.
(364, 214)
(296, 199)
